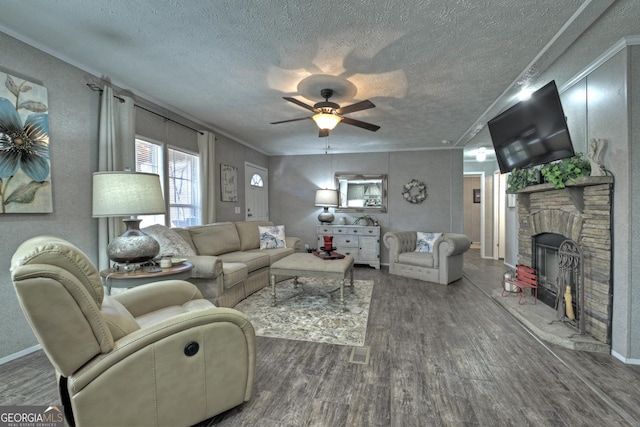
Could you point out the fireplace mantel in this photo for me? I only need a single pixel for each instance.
(584, 181)
(574, 189)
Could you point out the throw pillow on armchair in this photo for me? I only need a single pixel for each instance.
(425, 241)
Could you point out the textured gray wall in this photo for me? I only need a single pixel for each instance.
(574, 104)
(607, 119)
(294, 179)
(633, 291)
(233, 154)
(73, 112)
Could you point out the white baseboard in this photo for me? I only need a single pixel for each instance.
(20, 354)
(624, 359)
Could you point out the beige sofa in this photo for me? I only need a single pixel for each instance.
(228, 262)
(443, 265)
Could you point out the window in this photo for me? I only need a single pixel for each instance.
(256, 181)
(184, 188)
(181, 186)
(149, 159)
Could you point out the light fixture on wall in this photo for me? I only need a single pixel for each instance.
(125, 193)
(326, 199)
(481, 154)
(326, 121)
(525, 93)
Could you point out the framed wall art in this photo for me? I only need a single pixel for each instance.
(25, 169)
(228, 183)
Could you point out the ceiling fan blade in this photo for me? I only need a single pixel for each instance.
(300, 103)
(290, 120)
(364, 125)
(358, 106)
(323, 133)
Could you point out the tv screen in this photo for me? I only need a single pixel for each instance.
(532, 132)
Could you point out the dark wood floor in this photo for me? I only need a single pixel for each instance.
(439, 356)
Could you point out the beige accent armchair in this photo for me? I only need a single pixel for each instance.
(444, 265)
(158, 354)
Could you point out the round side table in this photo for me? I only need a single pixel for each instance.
(112, 278)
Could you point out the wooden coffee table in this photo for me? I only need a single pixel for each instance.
(309, 265)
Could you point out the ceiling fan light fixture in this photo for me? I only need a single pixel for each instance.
(328, 114)
(326, 120)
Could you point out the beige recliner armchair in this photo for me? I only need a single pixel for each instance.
(157, 354)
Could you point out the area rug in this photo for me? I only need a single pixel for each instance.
(305, 315)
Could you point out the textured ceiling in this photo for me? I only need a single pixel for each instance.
(434, 69)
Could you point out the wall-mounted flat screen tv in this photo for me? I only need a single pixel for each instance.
(532, 132)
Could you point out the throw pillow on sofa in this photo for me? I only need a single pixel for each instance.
(425, 241)
(272, 237)
(170, 241)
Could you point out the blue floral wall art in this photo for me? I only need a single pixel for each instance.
(25, 169)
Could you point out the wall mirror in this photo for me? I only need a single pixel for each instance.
(361, 192)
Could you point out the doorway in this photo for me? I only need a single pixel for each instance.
(256, 181)
(473, 209)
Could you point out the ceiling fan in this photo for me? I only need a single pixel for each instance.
(329, 114)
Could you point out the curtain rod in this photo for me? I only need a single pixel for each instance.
(96, 88)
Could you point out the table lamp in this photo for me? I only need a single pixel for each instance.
(326, 199)
(125, 193)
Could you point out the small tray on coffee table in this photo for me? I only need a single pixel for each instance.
(327, 254)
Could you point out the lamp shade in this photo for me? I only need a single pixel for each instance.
(327, 198)
(326, 121)
(372, 190)
(126, 193)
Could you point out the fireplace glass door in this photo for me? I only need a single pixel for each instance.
(546, 262)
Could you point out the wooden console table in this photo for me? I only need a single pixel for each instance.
(362, 242)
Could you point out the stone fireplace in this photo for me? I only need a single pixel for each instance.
(580, 212)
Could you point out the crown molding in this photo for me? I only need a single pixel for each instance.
(617, 47)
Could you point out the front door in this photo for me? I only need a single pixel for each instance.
(257, 192)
